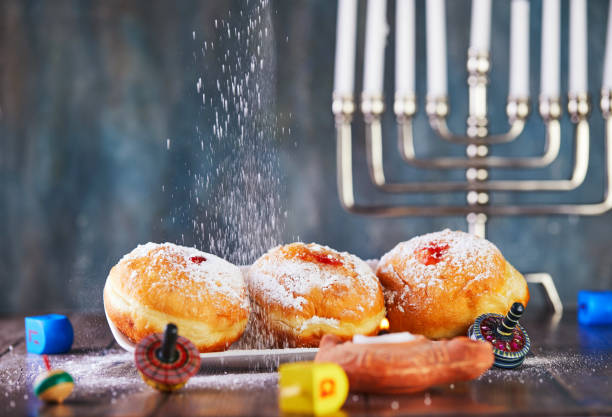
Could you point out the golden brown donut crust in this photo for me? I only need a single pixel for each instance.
(299, 292)
(438, 284)
(160, 283)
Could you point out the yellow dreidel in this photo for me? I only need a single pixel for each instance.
(312, 388)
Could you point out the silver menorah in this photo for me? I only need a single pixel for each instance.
(477, 138)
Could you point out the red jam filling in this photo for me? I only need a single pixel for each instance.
(487, 329)
(432, 253)
(307, 255)
(197, 259)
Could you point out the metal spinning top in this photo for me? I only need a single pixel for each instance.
(509, 339)
(166, 362)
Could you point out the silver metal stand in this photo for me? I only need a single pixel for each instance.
(477, 163)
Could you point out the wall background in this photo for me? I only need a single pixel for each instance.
(91, 91)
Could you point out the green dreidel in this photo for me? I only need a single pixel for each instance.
(54, 385)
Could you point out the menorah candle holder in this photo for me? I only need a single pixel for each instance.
(477, 137)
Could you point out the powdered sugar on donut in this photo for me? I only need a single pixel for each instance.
(299, 277)
(217, 275)
(318, 321)
(460, 251)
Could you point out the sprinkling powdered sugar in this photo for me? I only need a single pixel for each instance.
(234, 206)
(112, 372)
(217, 275)
(232, 382)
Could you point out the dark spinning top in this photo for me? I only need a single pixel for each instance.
(166, 362)
(509, 339)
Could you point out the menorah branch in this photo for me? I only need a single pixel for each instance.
(477, 153)
(343, 110)
(476, 177)
(517, 109)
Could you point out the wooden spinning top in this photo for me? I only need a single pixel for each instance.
(54, 385)
(166, 362)
(509, 339)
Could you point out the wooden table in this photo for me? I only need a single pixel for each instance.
(569, 372)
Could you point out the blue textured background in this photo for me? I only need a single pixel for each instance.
(90, 91)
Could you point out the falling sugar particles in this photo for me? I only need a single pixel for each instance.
(233, 201)
(231, 205)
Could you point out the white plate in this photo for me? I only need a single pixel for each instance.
(239, 358)
(234, 358)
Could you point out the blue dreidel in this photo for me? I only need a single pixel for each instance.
(51, 333)
(595, 307)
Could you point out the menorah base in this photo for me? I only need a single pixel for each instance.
(545, 281)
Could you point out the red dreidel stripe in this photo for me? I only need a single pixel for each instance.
(47, 363)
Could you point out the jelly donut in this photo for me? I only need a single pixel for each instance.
(300, 292)
(439, 283)
(204, 295)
